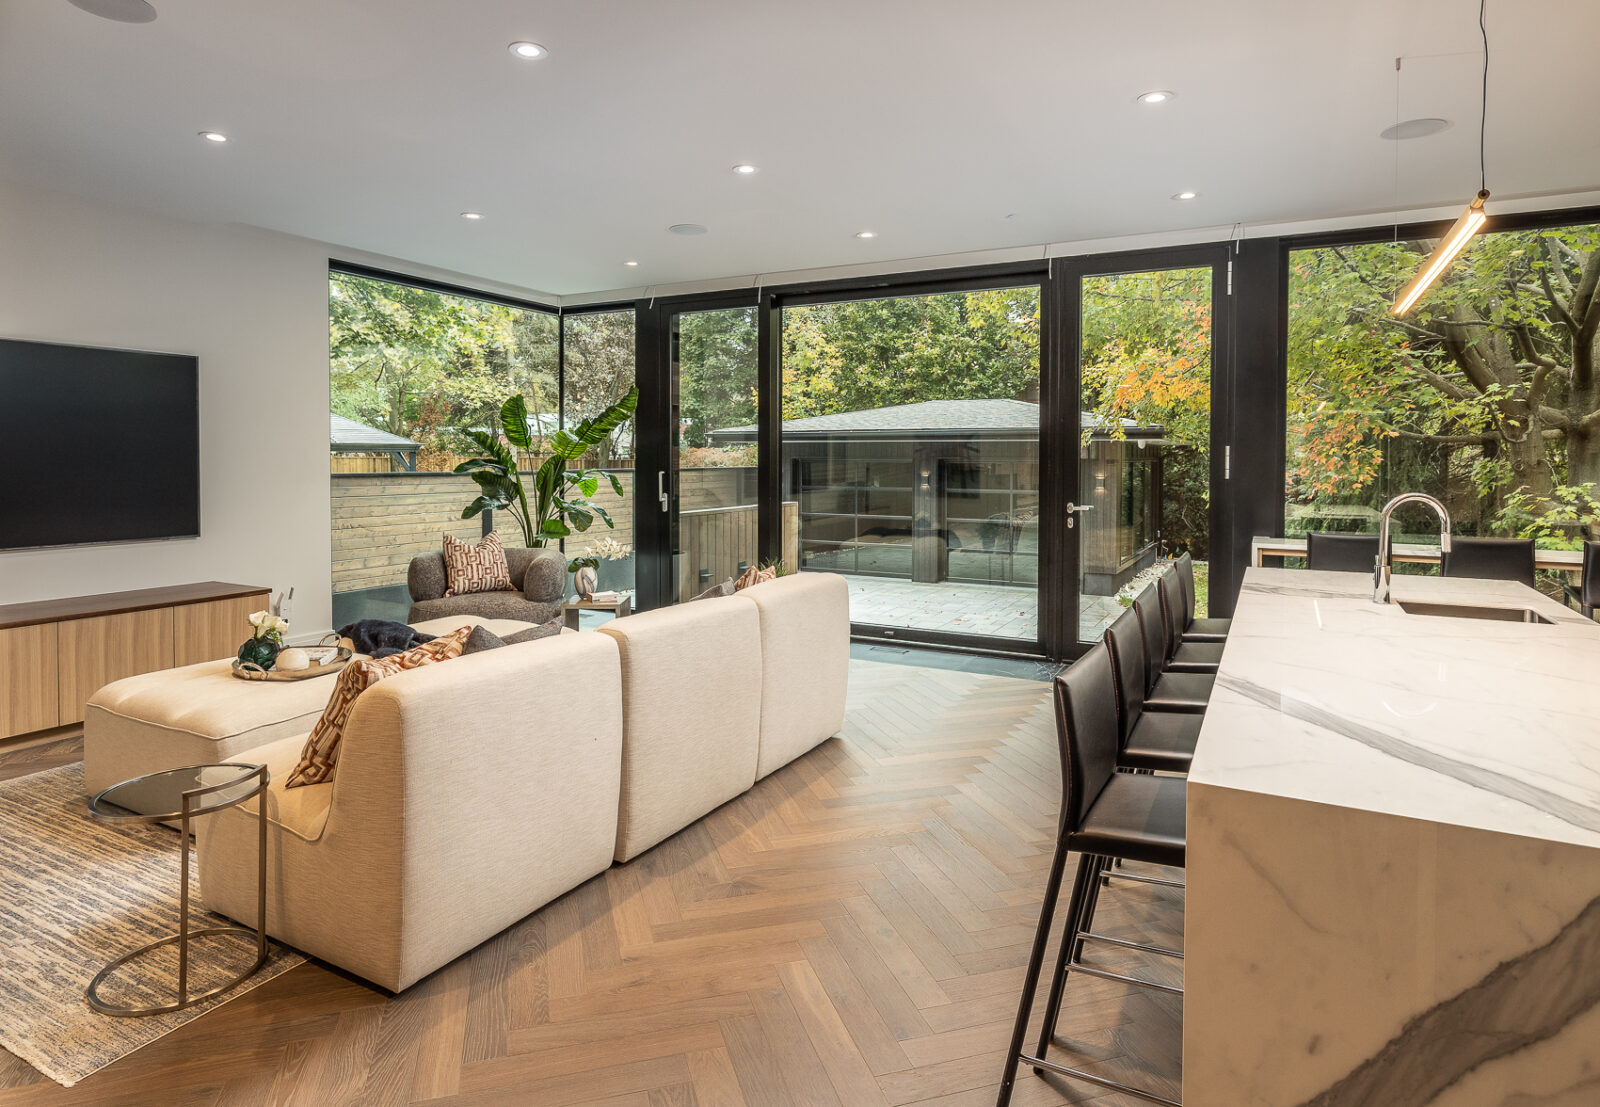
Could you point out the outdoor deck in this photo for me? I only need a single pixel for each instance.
(999, 611)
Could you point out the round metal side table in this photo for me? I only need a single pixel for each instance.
(183, 794)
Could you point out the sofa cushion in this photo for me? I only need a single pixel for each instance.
(476, 567)
(805, 663)
(685, 750)
(320, 757)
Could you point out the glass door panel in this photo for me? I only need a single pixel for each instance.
(1144, 451)
(911, 429)
(713, 496)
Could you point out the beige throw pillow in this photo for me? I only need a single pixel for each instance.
(479, 567)
(321, 754)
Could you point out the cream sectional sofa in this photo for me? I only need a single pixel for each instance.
(466, 799)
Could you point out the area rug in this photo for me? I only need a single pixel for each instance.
(76, 894)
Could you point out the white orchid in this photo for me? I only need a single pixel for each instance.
(269, 625)
(610, 549)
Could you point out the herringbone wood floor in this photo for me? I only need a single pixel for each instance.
(852, 931)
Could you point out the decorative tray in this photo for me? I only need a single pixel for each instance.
(324, 660)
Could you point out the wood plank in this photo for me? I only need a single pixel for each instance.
(30, 694)
(212, 630)
(116, 603)
(95, 652)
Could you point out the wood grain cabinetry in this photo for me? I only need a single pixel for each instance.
(207, 631)
(55, 654)
(28, 695)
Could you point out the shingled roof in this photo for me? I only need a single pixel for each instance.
(349, 436)
(929, 416)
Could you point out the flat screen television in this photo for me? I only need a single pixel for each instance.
(97, 445)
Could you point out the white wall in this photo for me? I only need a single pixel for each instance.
(253, 306)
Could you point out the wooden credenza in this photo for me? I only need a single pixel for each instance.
(55, 654)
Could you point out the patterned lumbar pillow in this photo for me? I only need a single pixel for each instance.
(754, 575)
(321, 754)
(476, 568)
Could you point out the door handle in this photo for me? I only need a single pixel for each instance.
(1072, 513)
(661, 489)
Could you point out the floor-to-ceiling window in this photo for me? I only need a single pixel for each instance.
(409, 367)
(910, 458)
(1144, 450)
(1485, 395)
(597, 371)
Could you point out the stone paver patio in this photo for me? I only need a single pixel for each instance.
(992, 610)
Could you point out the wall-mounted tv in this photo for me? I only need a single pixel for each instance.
(97, 445)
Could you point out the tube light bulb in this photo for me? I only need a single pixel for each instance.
(1454, 241)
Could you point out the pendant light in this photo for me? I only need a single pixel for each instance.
(1471, 220)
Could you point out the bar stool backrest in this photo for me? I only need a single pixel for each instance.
(1186, 578)
(1086, 731)
(1172, 609)
(1491, 559)
(1127, 663)
(1153, 629)
(1342, 553)
(1589, 585)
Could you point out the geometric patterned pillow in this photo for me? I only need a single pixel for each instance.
(476, 568)
(320, 756)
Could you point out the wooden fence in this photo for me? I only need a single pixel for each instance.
(713, 542)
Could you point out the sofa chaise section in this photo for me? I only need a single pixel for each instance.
(466, 797)
(805, 663)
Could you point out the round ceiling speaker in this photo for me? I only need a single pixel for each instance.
(1409, 128)
(687, 228)
(120, 11)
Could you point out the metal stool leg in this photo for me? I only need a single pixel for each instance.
(1080, 915)
(1041, 939)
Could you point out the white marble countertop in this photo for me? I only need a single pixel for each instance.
(1327, 697)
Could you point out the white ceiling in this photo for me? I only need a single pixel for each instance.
(374, 123)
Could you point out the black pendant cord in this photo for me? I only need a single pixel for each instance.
(1483, 113)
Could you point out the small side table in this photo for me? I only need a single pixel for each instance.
(570, 610)
(183, 794)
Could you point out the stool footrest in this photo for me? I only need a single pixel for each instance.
(1107, 974)
(1085, 936)
(1102, 1081)
(1161, 880)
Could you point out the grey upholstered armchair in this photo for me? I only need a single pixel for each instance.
(539, 578)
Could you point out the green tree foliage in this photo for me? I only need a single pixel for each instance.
(417, 362)
(600, 371)
(717, 372)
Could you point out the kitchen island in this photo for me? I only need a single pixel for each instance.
(1394, 850)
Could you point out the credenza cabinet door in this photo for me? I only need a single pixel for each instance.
(94, 652)
(209, 631)
(29, 697)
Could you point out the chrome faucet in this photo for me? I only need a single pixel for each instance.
(1382, 571)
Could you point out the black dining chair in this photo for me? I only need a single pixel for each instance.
(1105, 816)
(1586, 597)
(1342, 553)
(1491, 559)
(1183, 656)
(1197, 629)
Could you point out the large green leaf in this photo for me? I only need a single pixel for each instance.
(555, 528)
(514, 422)
(578, 514)
(588, 434)
(616, 485)
(478, 507)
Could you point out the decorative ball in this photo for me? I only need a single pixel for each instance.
(259, 651)
(292, 660)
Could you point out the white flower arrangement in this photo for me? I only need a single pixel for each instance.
(610, 549)
(269, 626)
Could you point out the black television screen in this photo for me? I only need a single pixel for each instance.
(97, 445)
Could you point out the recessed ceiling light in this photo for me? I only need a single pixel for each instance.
(745, 170)
(1156, 96)
(633, 263)
(473, 215)
(1414, 128)
(531, 51)
(866, 234)
(687, 228)
(1184, 195)
(213, 136)
(120, 11)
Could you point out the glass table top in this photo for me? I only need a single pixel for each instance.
(159, 796)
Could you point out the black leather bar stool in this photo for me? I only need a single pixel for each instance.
(1164, 691)
(1151, 741)
(1587, 595)
(1342, 553)
(1105, 816)
(1183, 656)
(1198, 630)
(1490, 559)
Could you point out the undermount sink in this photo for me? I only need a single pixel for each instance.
(1473, 611)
